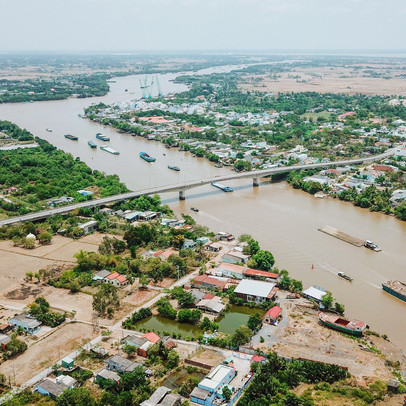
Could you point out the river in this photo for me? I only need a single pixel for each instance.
(282, 219)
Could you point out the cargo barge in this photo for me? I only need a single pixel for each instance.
(109, 150)
(174, 168)
(147, 157)
(102, 137)
(71, 137)
(355, 328)
(222, 187)
(395, 288)
(91, 144)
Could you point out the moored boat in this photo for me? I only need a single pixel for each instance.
(147, 157)
(102, 137)
(194, 209)
(91, 144)
(109, 150)
(395, 288)
(174, 168)
(49, 129)
(344, 276)
(335, 322)
(222, 187)
(372, 246)
(71, 137)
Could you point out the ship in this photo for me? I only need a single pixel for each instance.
(91, 144)
(174, 168)
(353, 327)
(344, 276)
(194, 209)
(102, 137)
(222, 187)
(147, 157)
(395, 288)
(71, 137)
(109, 150)
(49, 129)
(372, 246)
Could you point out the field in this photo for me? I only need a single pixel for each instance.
(348, 79)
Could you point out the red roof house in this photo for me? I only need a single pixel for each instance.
(273, 314)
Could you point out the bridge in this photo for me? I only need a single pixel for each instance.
(182, 188)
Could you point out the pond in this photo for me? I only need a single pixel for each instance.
(235, 317)
(177, 378)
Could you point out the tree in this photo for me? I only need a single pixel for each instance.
(327, 301)
(106, 297)
(189, 316)
(140, 235)
(29, 276)
(15, 347)
(285, 283)
(226, 392)
(254, 322)
(241, 336)
(340, 308)
(264, 260)
(143, 281)
(76, 397)
(45, 238)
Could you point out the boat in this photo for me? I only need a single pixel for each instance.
(174, 168)
(147, 157)
(71, 137)
(109, 150)
(222, 187)
(91, 144)
(194, 209)
(344, 276)
(102, 137)
(372, 246)
(395, 288)
(167, 146)
(335, 322)
(49, 129)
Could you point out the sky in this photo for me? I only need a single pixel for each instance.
(172, 25)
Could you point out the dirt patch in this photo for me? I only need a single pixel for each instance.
(165, 283)
(141, 296)
(46, 352)
(209, 357)
(24, 292)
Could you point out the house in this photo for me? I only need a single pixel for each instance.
(6, 327)
(235, 257)
(162, 397)
(151, 337)
(255, 291)
(315, 293)
(209, 282)
(198, 295)
(67, 381)
(134, 341)
(168, 342)
(222, 236)
(257, 274)
(133, 215)
(48, 387)
(231, 270)
(89, 227)
(202, 240)
(213, 246)
(400, 151)
(116, 279)
(109, 375)
(207, 390)
(213, 305)
(258, 358)
(147, 215)
(67, 363)
(188, 244)
(149, 340)
(101, 275)
(61, 200)
(273, 315)
(120, 364)
(4, 340)
(28, 323)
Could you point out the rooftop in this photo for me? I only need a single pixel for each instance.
(254, 288)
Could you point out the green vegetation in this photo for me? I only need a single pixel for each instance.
(40, 310)
(130, 322)
(106, 300)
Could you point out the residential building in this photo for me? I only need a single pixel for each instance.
(315, 293)
(230, 270)
(109, 375)
(67, 363)
(150, 339)
(28, 323)
(162, 397)
(272, 315)
(257, 274)
(207, 389)
(101, 275)
(4, 340)
(120, 364)
(255, 291)
(48, 387)
(235, 257)
(89, 227)
(213, 246)
(209, 282)
(211, 305)
(116, 279)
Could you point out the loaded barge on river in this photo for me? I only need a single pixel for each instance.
(395, 288)
(355, 328)
(109, 150)
(71, 137)
(147, 157)
(102, 137)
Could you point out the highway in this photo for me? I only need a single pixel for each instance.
(181, 188)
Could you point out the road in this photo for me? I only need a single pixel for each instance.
(181, 188)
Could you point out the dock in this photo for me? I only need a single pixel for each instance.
(334, 232)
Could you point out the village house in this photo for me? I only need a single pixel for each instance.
(209, 282)
(89, 227)
(257, 274)
(4, 340)
(235, 257)
(213, 246)
(162, 397)
(255, 291)
(211, 304)
(120, 364)
(272, 315)
(116, 279)
(315, 293)
(231, 270)
(101, 275)
(48, 387)
(106, 374)
(28, 323)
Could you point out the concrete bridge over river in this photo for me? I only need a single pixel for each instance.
(182, 188)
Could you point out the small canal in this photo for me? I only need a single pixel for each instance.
(228, 322)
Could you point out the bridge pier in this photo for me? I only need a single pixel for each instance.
(182, 195)
(255, 182)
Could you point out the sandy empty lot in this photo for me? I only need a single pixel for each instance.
(46, 352)
(328, 80)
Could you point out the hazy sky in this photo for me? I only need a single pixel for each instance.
(202, 24)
